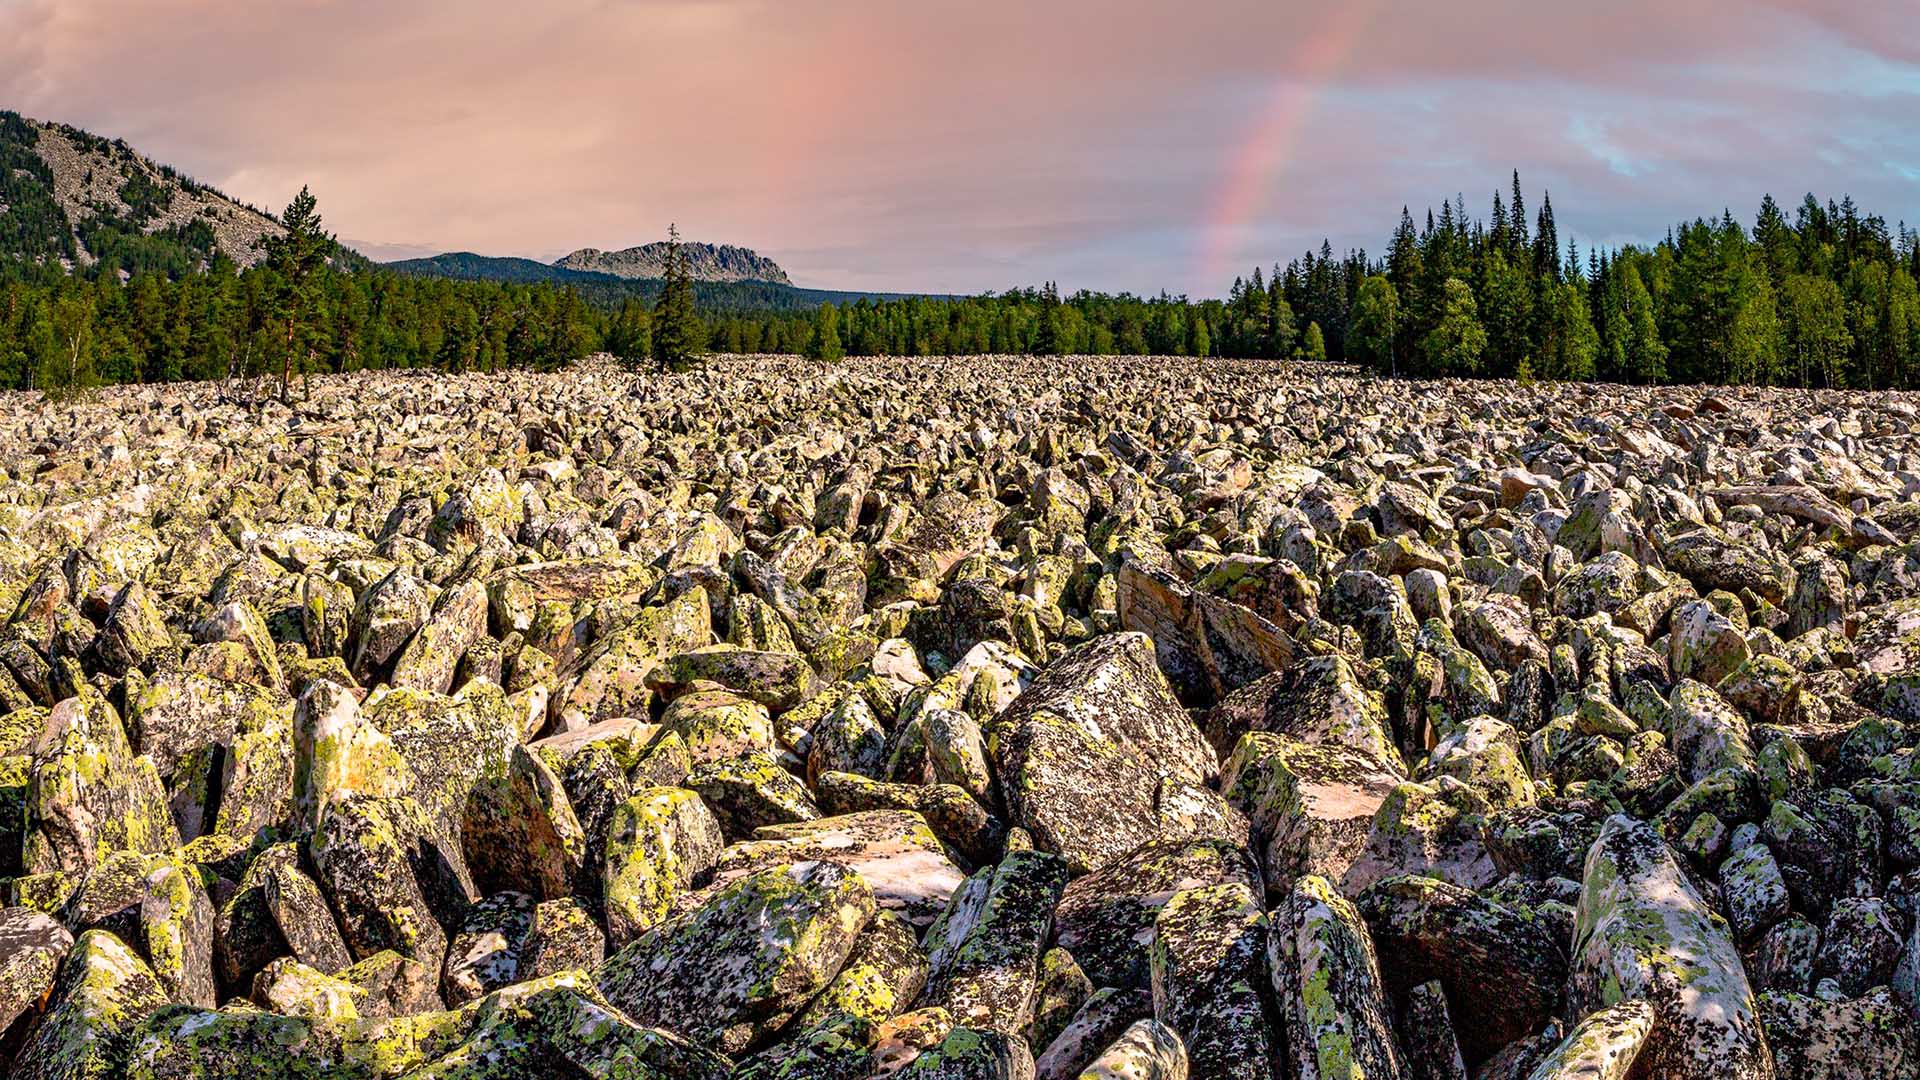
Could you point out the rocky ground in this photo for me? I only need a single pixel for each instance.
(985, 718)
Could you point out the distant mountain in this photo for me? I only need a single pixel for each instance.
(73, 198)
(467, 266)
(705, 262)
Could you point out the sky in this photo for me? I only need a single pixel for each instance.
(969, 145)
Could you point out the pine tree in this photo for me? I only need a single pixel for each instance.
(296, 256)
(678, 337)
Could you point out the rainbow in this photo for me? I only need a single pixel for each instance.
(1271, 141)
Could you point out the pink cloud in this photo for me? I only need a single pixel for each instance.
(946, 146)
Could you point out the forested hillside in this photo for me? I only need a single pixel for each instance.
(72, 199)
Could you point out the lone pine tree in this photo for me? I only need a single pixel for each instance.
(295, 257)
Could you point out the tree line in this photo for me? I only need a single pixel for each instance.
(1826, 299)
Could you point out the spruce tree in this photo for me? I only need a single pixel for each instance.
(678, 337)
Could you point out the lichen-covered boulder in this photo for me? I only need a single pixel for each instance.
(1209, 978)
(751, 791)
(1706, 733)
(1207, 645)
(1077, 754)
(1484, 753)
(848, 739)
(1105, 919)
(32, 945)
(1429, 1042)
(1149, 1050)
(893, 851)
(103, 993)
(609, 680)
(1644, 933)
(1101, 1019)
(1602, 1046)
(662, 842)
(183, 1042)
(733, 971)
(717, 724)
(134, 631)
(897, 1042)
(1502, 967)
(835, 1047)
(1063, 987)
(428, 660)
(394, 878)
(985, 948)
(1871, 1037)
(969, 1054)
(1704, 644)
(1755, 893)
(1432, 830)
(158, 905)
(484, 954)
(89, 796)
(1499, 634)
(451, 743)
(881, 977)
(956, 817)
(518, 830)
(1712, 559)
(1327, 984)
(1860, 946)
(562, 1024)
(1320, 699)
(1311, 806)
(778, 681)
(276, 910)
(562, 937)
(385, 617)
(339, 751)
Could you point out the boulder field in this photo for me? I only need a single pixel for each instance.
(960, 719)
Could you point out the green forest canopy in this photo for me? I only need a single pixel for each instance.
(1826, 297)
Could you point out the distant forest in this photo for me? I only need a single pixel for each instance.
(1825, 297)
